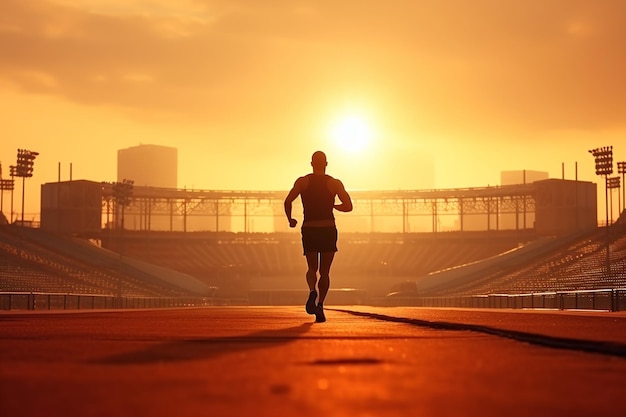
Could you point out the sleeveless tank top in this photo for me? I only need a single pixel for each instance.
(317, 199)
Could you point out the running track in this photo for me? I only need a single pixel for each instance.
(274, 361)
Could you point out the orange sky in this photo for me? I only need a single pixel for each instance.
(247, 89)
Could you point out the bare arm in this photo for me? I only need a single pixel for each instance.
(344, 197)
(293, 194)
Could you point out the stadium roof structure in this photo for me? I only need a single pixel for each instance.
(444, 193)
(519, 202)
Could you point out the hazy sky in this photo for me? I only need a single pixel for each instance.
(248, 89)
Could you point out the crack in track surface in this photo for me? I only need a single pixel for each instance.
(581, 345)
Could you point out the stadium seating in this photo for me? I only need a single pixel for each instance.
(262, 260)
(580, 265)
(452, 263)
(32, 260)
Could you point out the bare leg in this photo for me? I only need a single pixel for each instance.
(311, 273)
(326, 260)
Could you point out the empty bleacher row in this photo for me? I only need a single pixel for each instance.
(25, 268)
(415, 257)
(205, 259)
(284, 257)
(18, 276)
(232, 259)
(31, 260)
(580, 265)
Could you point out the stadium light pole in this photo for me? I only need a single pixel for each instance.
(621, 169)
(604, 166)
(13, 170)
(24, 169)
(7, 185)
(613, 183)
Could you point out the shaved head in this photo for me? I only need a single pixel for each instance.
(319, 159)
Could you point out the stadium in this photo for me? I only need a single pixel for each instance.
(534, 245)
(481, 263)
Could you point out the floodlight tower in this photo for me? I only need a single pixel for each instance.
(13, 170)
(24, 169)
(604, 166)
(6, 185)
(612, 184)
(621, 169)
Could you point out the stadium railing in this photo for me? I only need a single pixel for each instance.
(56, 301)
(609, 299)
(604, 299)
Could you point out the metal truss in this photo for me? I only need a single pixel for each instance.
(221, 207)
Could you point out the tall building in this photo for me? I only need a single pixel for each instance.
(148, 165)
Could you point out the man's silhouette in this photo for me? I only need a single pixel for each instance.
(319, 232)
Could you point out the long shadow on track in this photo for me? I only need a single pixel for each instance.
(190, 349)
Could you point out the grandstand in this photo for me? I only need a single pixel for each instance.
(32, 260)
(232, 265)
(568, 263)
(237, 263)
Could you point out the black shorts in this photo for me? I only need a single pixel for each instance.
(319, 239)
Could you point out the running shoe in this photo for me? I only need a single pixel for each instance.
(310, 303)
(319, 314)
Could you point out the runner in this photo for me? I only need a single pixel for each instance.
(319, 231)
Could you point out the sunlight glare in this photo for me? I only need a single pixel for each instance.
(352, 134)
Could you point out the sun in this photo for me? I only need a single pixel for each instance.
(351, 134)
